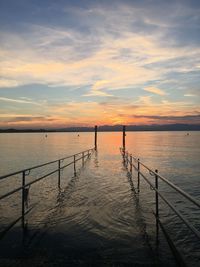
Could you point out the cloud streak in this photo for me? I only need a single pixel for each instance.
(20, 101)
(155, 90)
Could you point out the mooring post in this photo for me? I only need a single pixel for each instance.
(23, 198)
(124, 138)
(59, 173)
(131, 163)
(74, 165)
(138, 176)
(95, 137)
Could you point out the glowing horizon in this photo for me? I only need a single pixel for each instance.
(84, 63)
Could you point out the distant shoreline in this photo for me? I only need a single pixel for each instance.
(107, 128)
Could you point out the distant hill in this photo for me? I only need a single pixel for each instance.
(114, 128)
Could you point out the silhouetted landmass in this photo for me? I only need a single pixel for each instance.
(114, 128)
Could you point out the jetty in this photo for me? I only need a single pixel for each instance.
(102, 211)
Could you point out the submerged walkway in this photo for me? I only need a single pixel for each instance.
(97, 222)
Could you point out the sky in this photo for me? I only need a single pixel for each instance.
(82, 63)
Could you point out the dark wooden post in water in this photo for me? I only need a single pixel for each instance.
(95, 137)
(124, 138)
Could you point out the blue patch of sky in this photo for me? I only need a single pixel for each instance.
(184, 35)
(38, 92)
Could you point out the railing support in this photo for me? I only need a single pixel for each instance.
(131, 163)
(23, 198)
(157, 207)
(95, 137)
(138, 176)
(59, 173)
(74, 165)
(83, 158)
(156, 194)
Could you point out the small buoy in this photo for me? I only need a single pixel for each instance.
(78, 135)
(45, 135)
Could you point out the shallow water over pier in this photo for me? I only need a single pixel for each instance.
(96, 218)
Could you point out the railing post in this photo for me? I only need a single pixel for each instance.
(131, 163)
(95, 137)
(59, 173)
(74, 165)
(83, 158)
(23, 198)
(157, 208)
(138, 176)
(156, 186)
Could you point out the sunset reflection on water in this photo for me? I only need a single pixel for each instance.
(100, 201)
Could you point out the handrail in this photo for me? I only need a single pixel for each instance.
(183, 193)
(42, 165)
(126, 156)
(46, 175)
(192, 228)
(25, 186)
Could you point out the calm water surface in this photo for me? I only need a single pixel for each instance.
(96, 215)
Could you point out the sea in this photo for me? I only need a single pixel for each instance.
(99, 217)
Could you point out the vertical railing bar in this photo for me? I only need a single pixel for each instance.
(138, 176)
(23, 198)
(131, 163)
(59, 173)
(74, 165)
(82, 158)
(156, 196)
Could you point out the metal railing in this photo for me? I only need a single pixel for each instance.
(133, 162)
(24, 188)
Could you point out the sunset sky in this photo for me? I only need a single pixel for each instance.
(79, 63)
